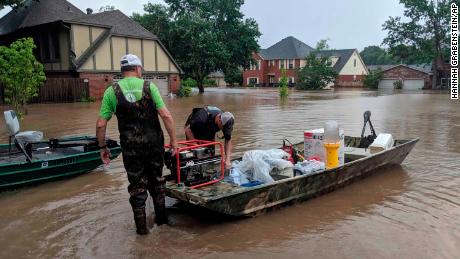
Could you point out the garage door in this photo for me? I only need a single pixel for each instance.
(387, 84)
(161, 81)
(413, 84)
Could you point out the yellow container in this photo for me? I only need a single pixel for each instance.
(332, 154)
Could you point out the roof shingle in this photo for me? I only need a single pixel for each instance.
(287, 48)
(38, 12)
(120, 23)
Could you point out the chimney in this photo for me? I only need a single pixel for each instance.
(89, 11)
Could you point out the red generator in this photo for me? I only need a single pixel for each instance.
(195, 164)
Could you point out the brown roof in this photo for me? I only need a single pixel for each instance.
(120, 23)
(36, 13)
(45, 11)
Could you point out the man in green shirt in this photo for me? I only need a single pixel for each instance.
(137, 105)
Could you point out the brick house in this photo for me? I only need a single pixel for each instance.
(413, 77)
(73, 44)
(290, 54)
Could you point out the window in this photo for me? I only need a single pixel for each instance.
(255, 66)
(281, 63)
(354, 62)
(271, 63)
(253, 80)
(49, 46)
(291, 64)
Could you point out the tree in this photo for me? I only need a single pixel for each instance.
(14, 4)
(316, 74)
(374, 55)
(426, 33)
(205, 35)
(234, 76)
(106, 8)
(283, 86)
(21, 73)
(322, 45)
(372, 79)
(157, 20)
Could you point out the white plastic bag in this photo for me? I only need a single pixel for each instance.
(236, 176)
(257, 164)
(310, 166)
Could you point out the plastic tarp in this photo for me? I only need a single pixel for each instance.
(257, 164)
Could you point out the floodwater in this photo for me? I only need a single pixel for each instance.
(409, 211)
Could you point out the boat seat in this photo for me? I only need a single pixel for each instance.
(355, 153)
(12, 125)
(29, 136)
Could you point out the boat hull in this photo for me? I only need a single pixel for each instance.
(28, 173)
(254, 200)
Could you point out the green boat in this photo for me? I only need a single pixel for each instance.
(27, 159)
(50, 160)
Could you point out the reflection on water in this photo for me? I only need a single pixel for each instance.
(408, 211)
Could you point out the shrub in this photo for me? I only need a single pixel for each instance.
(372, 79)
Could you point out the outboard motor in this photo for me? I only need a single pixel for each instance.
(366, 141)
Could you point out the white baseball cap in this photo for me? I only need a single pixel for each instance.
(227, 117)
(130, 60)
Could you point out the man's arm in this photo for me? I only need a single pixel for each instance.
(188, 133)
(169, 125)
(228, 153)
(101, 126)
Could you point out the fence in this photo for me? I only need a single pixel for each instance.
(58, 90)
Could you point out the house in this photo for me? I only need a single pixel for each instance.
(72, 44)
(290, 53)
(413, 77)
(218, 77)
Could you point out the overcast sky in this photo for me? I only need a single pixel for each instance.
(347, 23)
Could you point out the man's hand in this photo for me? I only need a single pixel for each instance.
(105, 155)
(174, 147)
(228, 164)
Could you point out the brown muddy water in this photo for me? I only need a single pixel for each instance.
(412, 211)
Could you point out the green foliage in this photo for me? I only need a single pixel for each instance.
(374, 55)
(422, 35)
(87, 99)
(234, 76)
(316, 74)
(186, 87)
(208, 82)
(398, 84)
(204, 36)
(106, 8)
(21, 73)
(15, 4)
(322, 45)
(283, 85)
(372, 79)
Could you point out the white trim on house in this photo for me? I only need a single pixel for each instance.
(249, 79)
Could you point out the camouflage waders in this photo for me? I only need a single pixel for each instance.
(142, 143)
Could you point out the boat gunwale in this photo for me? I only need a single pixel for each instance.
(4, 165)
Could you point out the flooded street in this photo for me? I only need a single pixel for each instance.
(411, 211)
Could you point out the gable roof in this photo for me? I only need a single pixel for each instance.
(343, 55)
(424, 68)
(120, 23)
(38, 12)
(287, 48)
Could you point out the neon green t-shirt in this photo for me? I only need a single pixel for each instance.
(132, 90)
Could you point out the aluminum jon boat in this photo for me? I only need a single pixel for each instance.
(234, 200)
